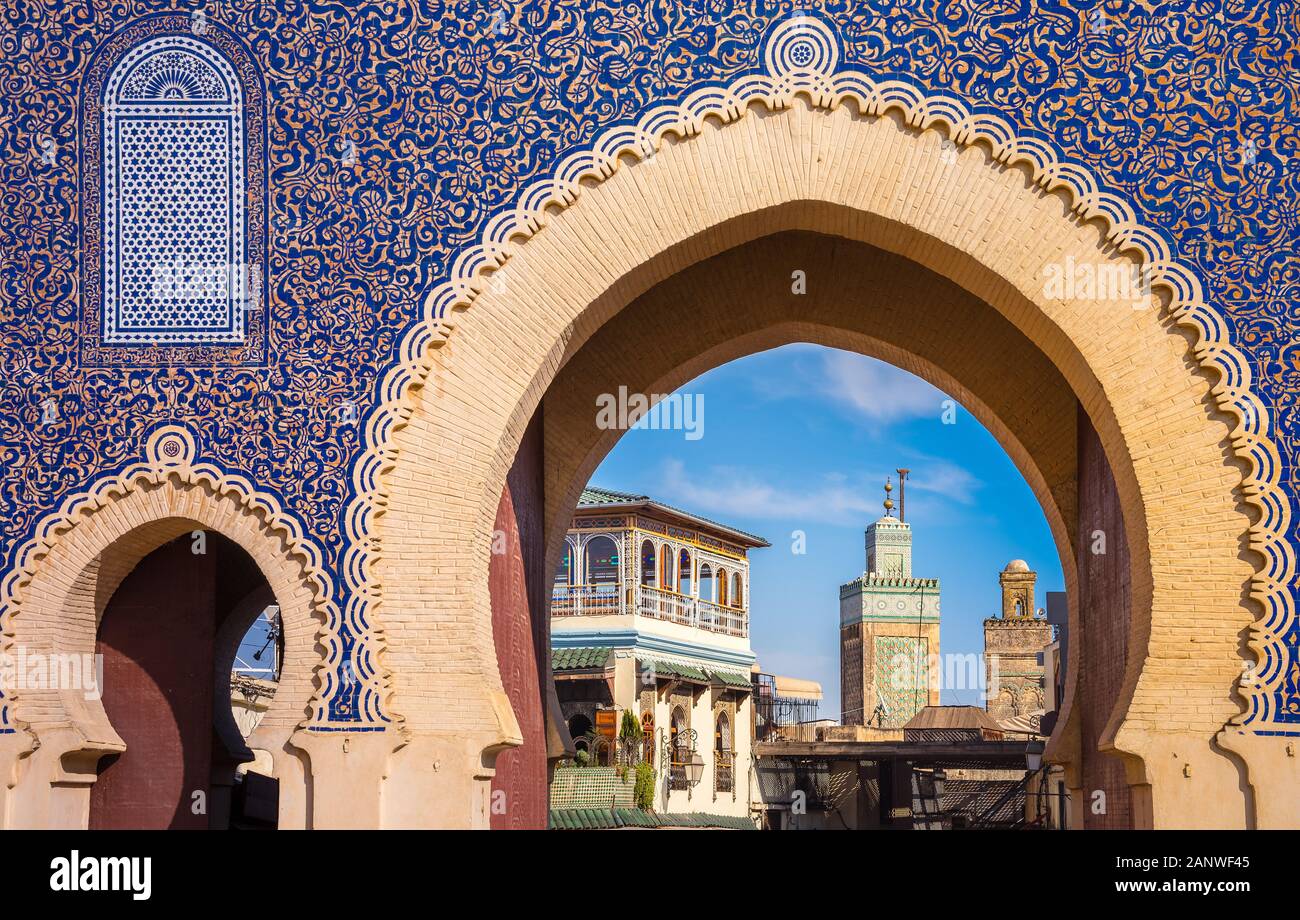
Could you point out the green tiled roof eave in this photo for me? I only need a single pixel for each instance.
(607, 819)
(693, 673)
(586, 656)
(734, 679)
(696, 819)
(595, 497)
(690, 672)
(673, 669)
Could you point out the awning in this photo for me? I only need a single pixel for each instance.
(573, 659)
(673, 670)
(797, 688)
(733, 679)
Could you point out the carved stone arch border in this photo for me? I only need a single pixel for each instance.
(67, 572)
(801, 60)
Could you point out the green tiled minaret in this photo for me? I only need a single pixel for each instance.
(889, 631)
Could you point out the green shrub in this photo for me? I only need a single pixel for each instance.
(630, 730)
(644, 791)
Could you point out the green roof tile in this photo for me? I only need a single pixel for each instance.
(594, 497)
(693, 819)
(733, 679)
(586, 656)
(572, 819)
(673, 669)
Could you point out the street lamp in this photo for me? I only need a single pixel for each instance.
(694, 768)
(1034, 756)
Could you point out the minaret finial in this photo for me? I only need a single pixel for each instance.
(889, 502)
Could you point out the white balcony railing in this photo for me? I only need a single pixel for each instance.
(586, 600)
(666, 605)
(648, 601)
(726, 620)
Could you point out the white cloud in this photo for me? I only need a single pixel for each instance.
(939, 477)
(878, 391)
(730, 492)
(832, 498)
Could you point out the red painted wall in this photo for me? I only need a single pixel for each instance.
(1105, 608)
(518, 588)
(156, 637)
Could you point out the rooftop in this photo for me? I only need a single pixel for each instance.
(594, 498)
(616, 818)
(797, 688)
(949, 717)
(581, 658)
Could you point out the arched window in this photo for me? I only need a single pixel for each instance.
(723, 760)
(706, 582)
(737, 591)
(677, 729)
(1032, 702)
(684, 573)
(721, 593)
(648, 737)
(600, 561)
(666, 567)
(647, 563)
(722, 733)
(564, 572)
(679, 748)
(174, 193)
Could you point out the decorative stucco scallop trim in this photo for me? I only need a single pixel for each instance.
(170, 456)
(792, 74)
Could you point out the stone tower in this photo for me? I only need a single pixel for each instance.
(889, 632)
(1012, 642)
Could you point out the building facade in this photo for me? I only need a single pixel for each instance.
(889, 633)
(1015, 642)
(650, 615)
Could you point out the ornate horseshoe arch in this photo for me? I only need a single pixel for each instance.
(801, 59)
(66, 575)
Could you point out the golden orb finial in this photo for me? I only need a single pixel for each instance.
(889, 502)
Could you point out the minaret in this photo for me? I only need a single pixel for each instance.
(889, 543)
(1012, 642)
(889, 631)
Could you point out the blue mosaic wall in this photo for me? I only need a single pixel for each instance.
(394, 131)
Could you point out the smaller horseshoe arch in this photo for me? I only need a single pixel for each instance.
(92, 562)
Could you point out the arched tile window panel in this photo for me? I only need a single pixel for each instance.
(173, 138)
(174, 261)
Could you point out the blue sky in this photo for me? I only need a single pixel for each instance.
(802, 438)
